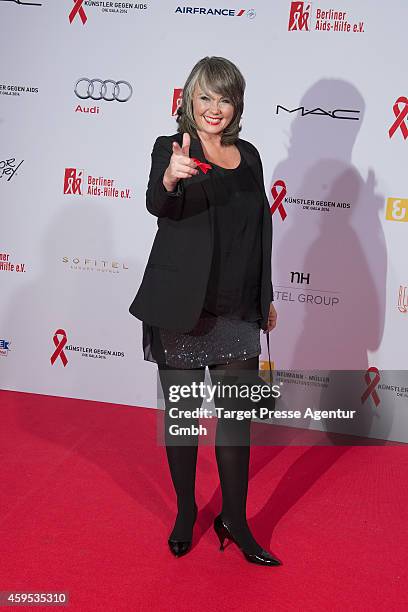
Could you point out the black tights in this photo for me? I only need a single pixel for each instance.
(232, 450)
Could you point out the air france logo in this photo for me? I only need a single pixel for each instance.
(218, 12)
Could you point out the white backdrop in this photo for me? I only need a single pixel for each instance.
(339, 270)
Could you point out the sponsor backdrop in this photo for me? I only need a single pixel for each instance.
(86, 89)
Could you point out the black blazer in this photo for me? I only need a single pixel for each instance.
(173, 288)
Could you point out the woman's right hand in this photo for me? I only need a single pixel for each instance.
(181, 166)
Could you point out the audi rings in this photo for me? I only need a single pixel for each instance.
(108, 90)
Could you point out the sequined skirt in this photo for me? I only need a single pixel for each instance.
(213, 340)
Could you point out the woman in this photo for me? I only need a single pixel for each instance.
(207, 290)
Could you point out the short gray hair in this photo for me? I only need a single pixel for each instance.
(222, 77)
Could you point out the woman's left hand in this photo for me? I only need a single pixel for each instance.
(272, 318)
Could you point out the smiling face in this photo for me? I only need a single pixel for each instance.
(212, 112)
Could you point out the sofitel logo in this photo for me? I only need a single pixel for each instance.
(94, 265)
(76, 184)
(403, 299)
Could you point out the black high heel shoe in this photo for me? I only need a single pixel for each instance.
(181, 547)
(223, 532)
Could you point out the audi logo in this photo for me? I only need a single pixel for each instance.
(108, 90)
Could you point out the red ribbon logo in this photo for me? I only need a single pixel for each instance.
(59, 350)
(278, 198)
(371, 385)
(400, 118)
(78, 8)
(202, 165)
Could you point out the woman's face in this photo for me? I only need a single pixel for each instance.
(212, 113)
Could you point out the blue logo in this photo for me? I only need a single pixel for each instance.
(4, 347)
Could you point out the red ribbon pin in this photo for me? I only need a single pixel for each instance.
(78, 9)
(278, 198)
(400, 117)
(59, 344)
(371, 385)
(202, 165)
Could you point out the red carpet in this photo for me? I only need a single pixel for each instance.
(87, 505)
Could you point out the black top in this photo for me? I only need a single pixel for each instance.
(234, 284)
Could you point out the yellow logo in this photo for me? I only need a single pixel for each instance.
(264, 369)
(397, 209)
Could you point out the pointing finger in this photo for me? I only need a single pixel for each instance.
(186, 144)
